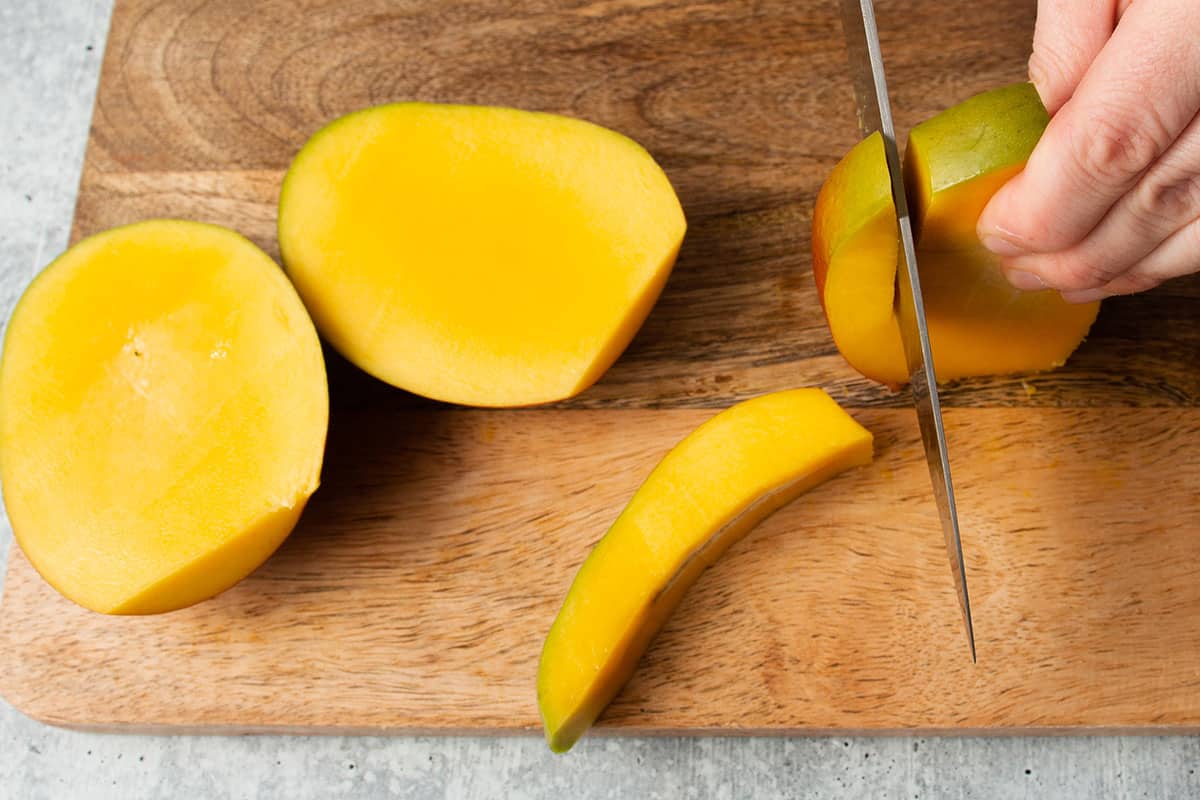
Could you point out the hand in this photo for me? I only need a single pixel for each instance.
(1109, 202)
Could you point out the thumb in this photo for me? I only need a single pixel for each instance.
(1066, 39)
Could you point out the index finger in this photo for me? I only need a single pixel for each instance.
(1135, 99)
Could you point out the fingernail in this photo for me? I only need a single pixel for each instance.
(1085, 295)
(1025, 281)
(1003, 247)
(1037, 76)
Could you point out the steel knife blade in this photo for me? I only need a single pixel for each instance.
(875, 114)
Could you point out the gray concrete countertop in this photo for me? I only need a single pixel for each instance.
(49, 61)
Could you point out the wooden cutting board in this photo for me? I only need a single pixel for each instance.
(416, 591)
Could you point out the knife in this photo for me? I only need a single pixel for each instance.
(875, 114)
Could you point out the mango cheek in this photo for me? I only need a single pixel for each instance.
(481, 256)
(163, 410)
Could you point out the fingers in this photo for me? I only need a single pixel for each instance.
(1178, 255)
(1141, 91)
(1165, 199)
(1068, 36)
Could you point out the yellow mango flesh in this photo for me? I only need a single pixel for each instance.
(163, 409)
(482, 256)
(708, 492)
(978, 323)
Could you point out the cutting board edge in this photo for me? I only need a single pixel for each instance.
(603, 730)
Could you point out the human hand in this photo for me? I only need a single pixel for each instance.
(1109, 201)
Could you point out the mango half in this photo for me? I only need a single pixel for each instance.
(475, 255)
(978, 323)
(707, 493)
(163, 411)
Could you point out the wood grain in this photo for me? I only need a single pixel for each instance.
(747, 106)
(418, 587)
(417, 590)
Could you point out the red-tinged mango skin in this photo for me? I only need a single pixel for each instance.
(978, 323)
(163, 410)
(707, 493)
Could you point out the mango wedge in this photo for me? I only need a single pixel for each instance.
(978, 323)
(163, 410)
(707, 493)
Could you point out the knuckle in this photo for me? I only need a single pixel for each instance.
(1114, 148)
(1162, 203)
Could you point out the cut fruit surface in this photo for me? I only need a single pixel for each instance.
(708, 492)
(163, 410)
(483, 256)
(978, 323)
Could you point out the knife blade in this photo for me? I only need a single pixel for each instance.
(875, 114)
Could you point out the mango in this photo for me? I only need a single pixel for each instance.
(163, 411)
(978, 323)
(707, 493)
(476, 255)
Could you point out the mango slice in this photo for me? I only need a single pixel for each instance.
(706, 494)
(978, 323)
(163, 410)
(482, 256)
